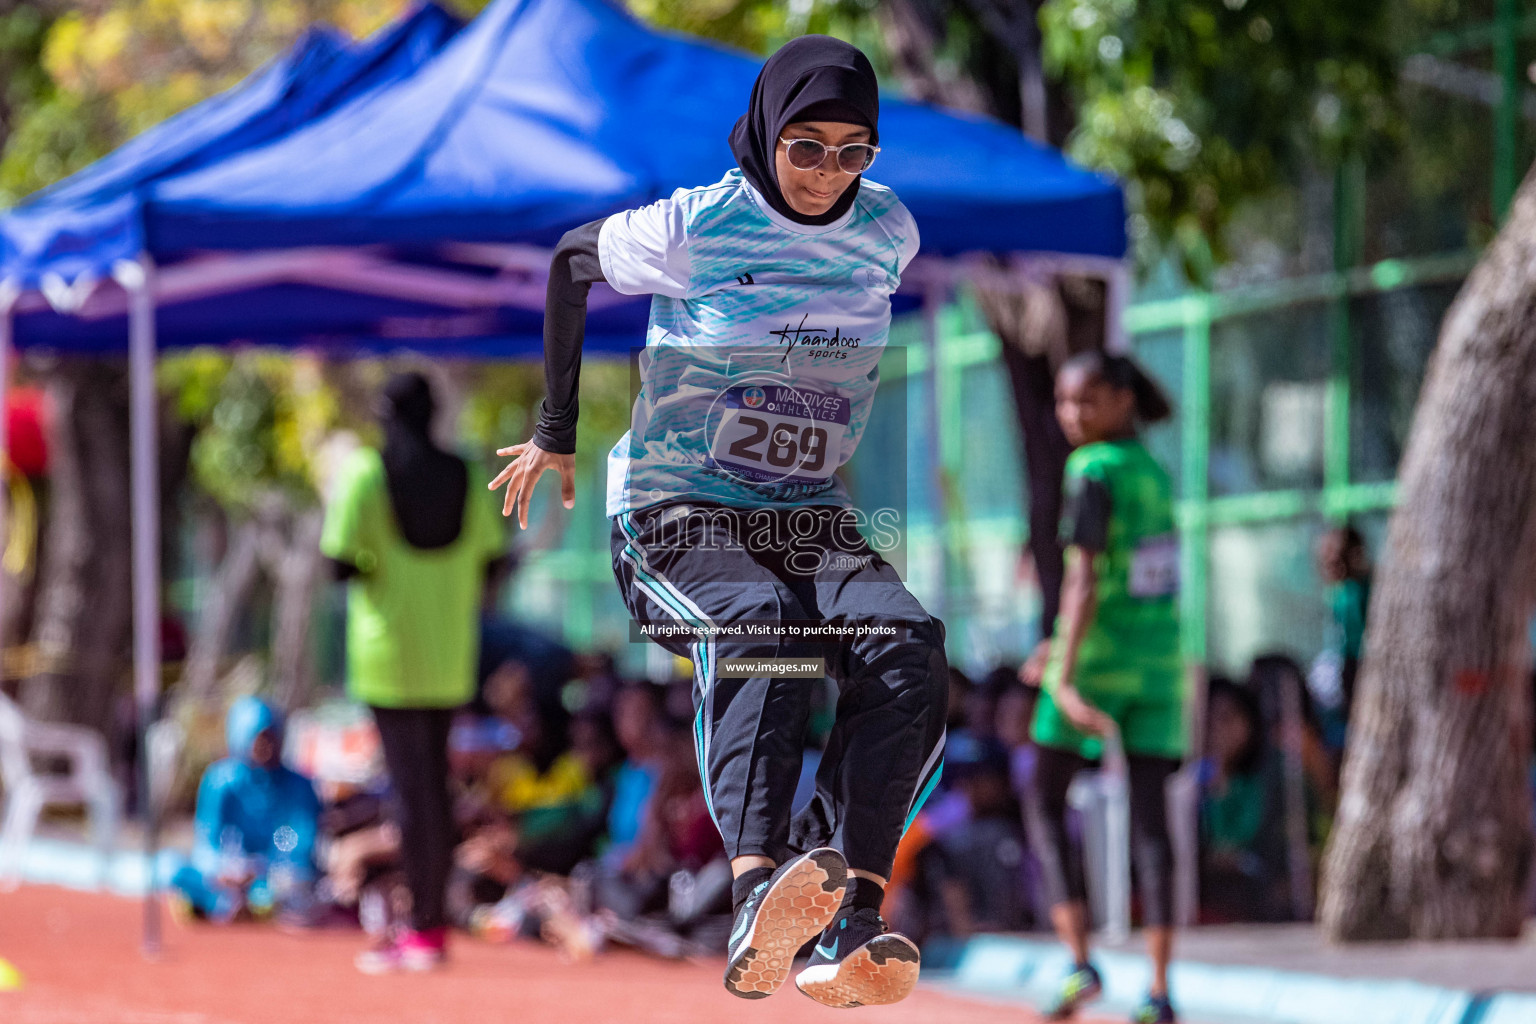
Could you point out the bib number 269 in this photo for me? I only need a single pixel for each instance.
(778, 434)
(805, 448)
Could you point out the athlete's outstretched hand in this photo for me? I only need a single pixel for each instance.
(529, 462)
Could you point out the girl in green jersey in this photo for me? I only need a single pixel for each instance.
(1114, 662)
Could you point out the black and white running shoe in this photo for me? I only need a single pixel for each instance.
(782, 914)
(860, 962)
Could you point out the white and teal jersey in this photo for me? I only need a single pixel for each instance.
(761, 359)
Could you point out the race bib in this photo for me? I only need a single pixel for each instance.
(775, 433)
(1155, 567)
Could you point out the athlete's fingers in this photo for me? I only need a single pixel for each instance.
(515, 450)
(1101, 722)
(525, 498)
(510, 498)
(504, 475)
(567, 485)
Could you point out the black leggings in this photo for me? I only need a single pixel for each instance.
(766, 567)
(1151, 851)
(415, 742)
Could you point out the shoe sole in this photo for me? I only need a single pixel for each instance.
(421, 964)
(375, 966)
(799, 906)
(883, 970)
(1068, 1010)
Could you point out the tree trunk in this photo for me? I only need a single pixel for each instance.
(910, 30)
(1045, 462)
(1040, 323)
(297, 577)
(84, 613)
(1434, 836)
(228, 595)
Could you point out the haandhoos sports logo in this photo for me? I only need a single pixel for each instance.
(821, 344)
(753, 397)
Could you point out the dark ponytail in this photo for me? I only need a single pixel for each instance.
(1125, 374)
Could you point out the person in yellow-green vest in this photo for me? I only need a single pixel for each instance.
(414, 542)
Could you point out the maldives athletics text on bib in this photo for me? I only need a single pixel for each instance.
(777, 433)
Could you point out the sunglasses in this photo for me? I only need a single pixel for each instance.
(808, 154)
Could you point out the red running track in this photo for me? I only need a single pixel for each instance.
(79, 958)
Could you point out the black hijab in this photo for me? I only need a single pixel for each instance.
(811, 78)
(427, 486)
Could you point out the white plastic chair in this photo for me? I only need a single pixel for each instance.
(27, 791)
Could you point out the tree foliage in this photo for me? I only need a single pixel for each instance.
(105, 70)
(23, 28)
(1201, 106)
(761, 26)
(261, 419)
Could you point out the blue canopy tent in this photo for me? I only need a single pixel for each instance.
(419, 215)
(56, 247)
(71, 231)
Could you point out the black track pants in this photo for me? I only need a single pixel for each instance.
(715, 565)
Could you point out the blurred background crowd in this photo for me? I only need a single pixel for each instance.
(579, 819)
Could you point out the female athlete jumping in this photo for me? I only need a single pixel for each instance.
(732, 539)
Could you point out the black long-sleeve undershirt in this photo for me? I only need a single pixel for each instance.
(572, 272)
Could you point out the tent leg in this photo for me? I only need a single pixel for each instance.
(1117, 295)
(933, 300)
(9, 293)
(137, 278)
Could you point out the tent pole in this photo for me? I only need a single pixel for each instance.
(1117, 296)
(933, 301)
(138, 277)
(9, 293)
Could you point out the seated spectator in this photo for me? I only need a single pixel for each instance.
(361, 857)
(547, 663)
(538, 808)
(1271, 676)
(543, 783)
(596, 745)
(666, 891)
(978, 868)
(1307, 777)
(253, 849)
(1344, 565)
(1239, 810)
(676, 834)
(1015, 709)
(638, 724)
